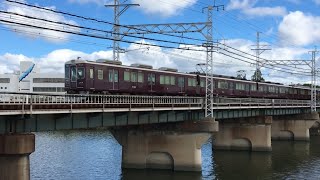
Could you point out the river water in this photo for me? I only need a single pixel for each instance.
(77, 155)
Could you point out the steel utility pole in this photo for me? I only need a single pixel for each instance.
(116, 27)
(311, 64)
(209, 61)
(313, 81)
(259, 50)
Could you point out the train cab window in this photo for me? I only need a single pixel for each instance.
(133, 77)
(181, 81)
(73, 73)
(172, 80)
(100, 74)
(113, 75)
(80, 72)
(126, 76)
(91, 73)
(151, 79)
(140, 77)
(67, 72)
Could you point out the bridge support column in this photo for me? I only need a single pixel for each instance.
(293, 127)
(163, 147)
(14, 156)
(252, 134)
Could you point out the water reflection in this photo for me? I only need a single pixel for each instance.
(97, 155)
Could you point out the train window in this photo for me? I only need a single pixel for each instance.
(240, 86)
(167, 79)
(223, 85)
(162, 79)
(271, 89)
(133, 77)
(261, 88)
(151, 79)
(126, 76)
(113, 75)
(100, 74)
(247, 87)
(181, 81)
(140, 77)
(282, 90)
(173, 80)
(116, 77)
(191, 82)
(91, 73)
(295, 91)
(67, 72)
(73, 73)
(253, 87)
(202, 83)
(80, 72)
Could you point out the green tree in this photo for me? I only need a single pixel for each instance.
(257, 76)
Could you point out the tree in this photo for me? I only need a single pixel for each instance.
(257, 76)
(241, 74)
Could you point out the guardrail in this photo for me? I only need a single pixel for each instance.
(29, 102)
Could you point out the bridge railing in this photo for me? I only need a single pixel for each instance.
(28, 98)
(34, 101)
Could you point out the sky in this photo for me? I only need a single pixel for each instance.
(289, 28)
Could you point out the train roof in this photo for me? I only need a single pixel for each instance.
(194, 74)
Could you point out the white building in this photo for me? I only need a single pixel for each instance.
(35, 81)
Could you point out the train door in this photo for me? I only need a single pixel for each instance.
(181, 84)
(91, 78)
(114, 78)
(151, 82)
(73, 78)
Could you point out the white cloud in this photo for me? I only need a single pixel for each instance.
(247, 7)
(317, 2)
(52, 36)
(163, 8)
(300, 29)
(183, 60)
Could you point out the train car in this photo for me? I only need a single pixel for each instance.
(110, 77)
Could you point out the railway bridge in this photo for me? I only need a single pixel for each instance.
(155, 131)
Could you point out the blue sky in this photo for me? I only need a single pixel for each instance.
(290, 27)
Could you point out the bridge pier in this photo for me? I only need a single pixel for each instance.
(293, 127)
(175, 146)
(14, 156)
(252, 134)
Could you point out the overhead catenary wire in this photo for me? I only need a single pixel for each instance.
(100, 37)
(111, 24)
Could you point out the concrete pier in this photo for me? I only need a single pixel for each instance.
(170, 146)
(252, 134)
(14, 156)
(293, 127)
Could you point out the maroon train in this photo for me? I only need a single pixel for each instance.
(109, 77)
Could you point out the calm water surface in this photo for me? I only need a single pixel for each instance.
(78, 155)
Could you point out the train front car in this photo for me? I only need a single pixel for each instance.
(75, 77)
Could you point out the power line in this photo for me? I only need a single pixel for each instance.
(98, 30)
